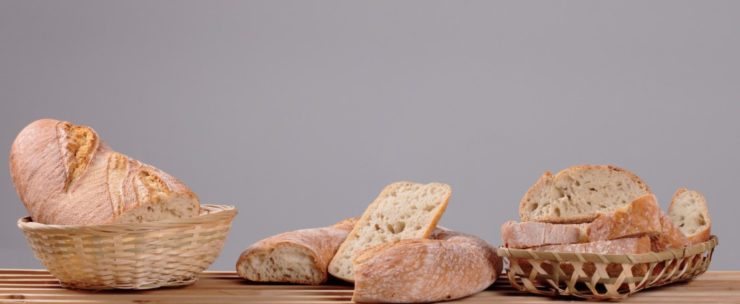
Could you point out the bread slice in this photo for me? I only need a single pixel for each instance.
(533, 234)
(639, 218)
(689, 212)
(670, 236)
(299, 257)
(579, 194)
(403, 210)
(619, 246)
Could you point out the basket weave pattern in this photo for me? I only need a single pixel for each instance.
(126, 256)
(603, 276)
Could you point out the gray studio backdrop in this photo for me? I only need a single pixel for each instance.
(300, 112)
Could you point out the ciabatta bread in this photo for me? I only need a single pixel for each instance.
(533, 234)
(639, 218)
(299, 257)
(689, 212)
(403, 210)
(448, 266)
(66, 175)
(579, 194)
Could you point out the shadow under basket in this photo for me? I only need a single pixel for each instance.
(131, 256)
(603, 276)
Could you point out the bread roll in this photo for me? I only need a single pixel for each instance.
(447, 266)
(66, 175)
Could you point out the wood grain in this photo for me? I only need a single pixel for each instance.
(38, 286)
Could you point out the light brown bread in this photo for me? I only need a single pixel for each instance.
(64, 174)
(639, 218)
(299, 257)
(579, 194)
(403, 210)
(618, 246)
(670, 236)
(448, 266)
(689, 212)
(533, 234)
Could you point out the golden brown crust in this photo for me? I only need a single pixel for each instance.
(65, 174)
(639, 218)
(316, 244)
(449, 266)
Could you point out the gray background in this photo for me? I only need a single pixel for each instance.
(300, 112)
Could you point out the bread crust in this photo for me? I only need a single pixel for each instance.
(703, 235)
(639, 218)
(547, 180)
(448, 266)
(317, 244)
(69, 179)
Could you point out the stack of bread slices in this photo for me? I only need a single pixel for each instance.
(605, 210)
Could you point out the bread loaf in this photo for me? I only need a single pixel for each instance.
(447, 266)
(403, 210)
(689, 212)
(579, 194)
(619, 246)
(64, 174)
(669, 237)
(299, 257)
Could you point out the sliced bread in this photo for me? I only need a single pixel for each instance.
(689, 212)
(670, 236)
(619, 246)
(580, 193)
(639, 218)
(403, 210)
(532, 234)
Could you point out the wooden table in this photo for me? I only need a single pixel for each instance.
(37, 286)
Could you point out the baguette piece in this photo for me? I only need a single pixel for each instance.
(670, 236)
(448, 266)
(689, 212)
(639, 218)
(533, 234)
(403, 210)
(618, 246)
(64, 174)
(579, 194)
(299, 257)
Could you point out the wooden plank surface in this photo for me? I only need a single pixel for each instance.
(37, 286)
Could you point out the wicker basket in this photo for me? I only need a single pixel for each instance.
(125, 256)
(603, 276)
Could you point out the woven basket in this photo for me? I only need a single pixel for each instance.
(126, 256)
(603, 276)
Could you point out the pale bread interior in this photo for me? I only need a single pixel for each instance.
(281, 264)
(403, 210)
(580, 194)
(690, 213)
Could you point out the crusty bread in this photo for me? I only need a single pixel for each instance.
(533, 234)
(670, 236)
(66, 175)
(579, 194)
(403, 210)
(448, 266)
(618, 246)
(639, 218)
(299, 257)
(689, 212)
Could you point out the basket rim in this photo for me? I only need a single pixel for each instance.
(608, 258)
(213, 213)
